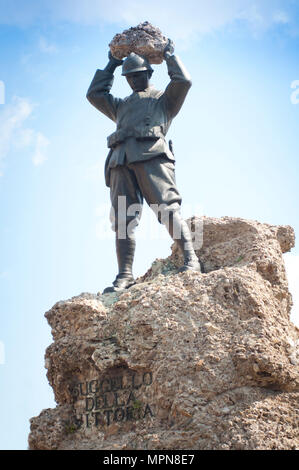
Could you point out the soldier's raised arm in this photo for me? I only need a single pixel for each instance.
(180, 82)
(98, 93)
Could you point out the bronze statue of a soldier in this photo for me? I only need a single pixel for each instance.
(140, 164)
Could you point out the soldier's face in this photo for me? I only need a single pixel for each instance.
(138, 81)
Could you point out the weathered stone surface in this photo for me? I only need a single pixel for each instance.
(144, 39)
(181, 361)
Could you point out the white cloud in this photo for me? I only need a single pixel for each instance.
(292, 268)
(14, 134)
(25, 138)
(181, 20)
(178, 19)
(41, 145)
(12, 118)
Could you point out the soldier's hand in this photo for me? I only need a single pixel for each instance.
(114, 60)
(169, 49)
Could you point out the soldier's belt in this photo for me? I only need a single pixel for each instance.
(118, 137)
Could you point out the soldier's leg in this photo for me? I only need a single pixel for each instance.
(126, 207)
(180, 232)
(156, 179)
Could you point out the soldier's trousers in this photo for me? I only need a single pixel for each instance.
(152, 180)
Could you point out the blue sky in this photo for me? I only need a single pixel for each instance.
(236, 144)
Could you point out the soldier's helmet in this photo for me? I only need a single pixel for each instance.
(135, 63)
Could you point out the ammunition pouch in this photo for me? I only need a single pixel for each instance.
(119, 136)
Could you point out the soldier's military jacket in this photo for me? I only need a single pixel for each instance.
(143, 118)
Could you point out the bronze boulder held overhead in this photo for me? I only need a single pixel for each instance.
(145, 40)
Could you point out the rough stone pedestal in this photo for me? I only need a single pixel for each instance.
(181, 361)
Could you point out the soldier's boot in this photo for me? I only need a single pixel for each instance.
(191, 261)
(125, 250)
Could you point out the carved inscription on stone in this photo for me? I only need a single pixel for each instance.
(111, 399)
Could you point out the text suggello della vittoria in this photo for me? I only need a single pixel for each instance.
(117, 398)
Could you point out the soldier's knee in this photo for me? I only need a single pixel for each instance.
(165, 212)
(124, 225)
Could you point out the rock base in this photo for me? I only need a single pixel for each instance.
(181, 361)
